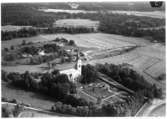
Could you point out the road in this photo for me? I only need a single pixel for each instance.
(155, 108)
(38, 110)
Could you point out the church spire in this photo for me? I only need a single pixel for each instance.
(78, 54)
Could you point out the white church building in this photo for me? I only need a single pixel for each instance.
(75, 72)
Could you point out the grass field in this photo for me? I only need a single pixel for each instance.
(33, 114)
(18, 41)
(76, 23)
(36, 100)
(153, 14)
(157, 69)
(13, 28)
(98, 40)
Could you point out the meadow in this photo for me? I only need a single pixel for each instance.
(149, 56)
(76, 23)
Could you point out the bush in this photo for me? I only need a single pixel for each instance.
(4, 99)
(13, 101)
(71, 42)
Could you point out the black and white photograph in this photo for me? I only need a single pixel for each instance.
(83, 59)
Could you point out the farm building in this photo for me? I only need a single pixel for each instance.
(76, 23)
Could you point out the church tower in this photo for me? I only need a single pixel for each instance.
(79, 64)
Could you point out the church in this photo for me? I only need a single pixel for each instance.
(75, 72)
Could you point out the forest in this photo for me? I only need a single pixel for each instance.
(128, 25)
(123, 75)
(58, 86)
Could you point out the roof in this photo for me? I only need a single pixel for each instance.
(69, 71)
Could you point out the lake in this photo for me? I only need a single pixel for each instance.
(153, 14)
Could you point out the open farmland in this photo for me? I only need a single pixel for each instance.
(84, 40)
(33, 114)
(157, 69)
(152, 14)
(96, 40)
(18, 41)
(93, 42)
(14, 28)
(76, 23)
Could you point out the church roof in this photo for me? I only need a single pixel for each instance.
(69, 71)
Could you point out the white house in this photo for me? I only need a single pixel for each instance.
(42, 53)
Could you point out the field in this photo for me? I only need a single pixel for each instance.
(160, 69)
(18, 41)
(34, 99)
(33, 114)
(92, 42)
(13, 28)
(76, 23)
(153, 14)
(150, 57)
(98, 40)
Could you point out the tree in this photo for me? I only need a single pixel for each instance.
(62, 78)
(58, 106)
(89, 74)
(12, 47)
(109, 110)
(4, 76)
(28, 79)
(55, 72)
(7, 111)
(73, 88)
(18, 108)
(23, 42)
(6, 49)
(71, 42)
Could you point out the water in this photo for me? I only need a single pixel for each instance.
(67, 11)
(153, 14)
